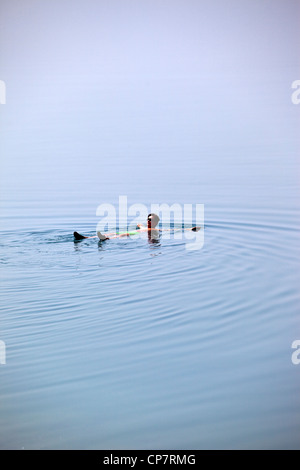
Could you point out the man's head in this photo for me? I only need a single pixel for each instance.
(152, 220)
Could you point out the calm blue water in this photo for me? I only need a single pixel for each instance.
(128, 344)
(131, 344)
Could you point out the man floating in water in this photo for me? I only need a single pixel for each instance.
(153, 232)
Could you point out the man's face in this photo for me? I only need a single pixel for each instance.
(152, 220)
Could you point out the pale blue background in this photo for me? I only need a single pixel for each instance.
(128, 344)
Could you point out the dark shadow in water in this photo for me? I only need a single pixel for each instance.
(78, 244)
(101, 245)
